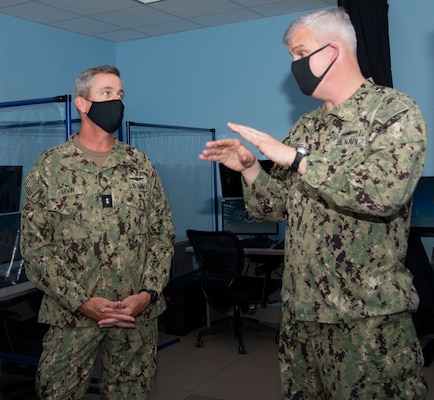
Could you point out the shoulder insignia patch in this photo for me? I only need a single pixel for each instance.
(30, 186)
(396, 107)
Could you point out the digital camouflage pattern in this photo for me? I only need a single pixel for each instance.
(128, 359)
(75, 248)
(348, 222)
(96, 232)
(348, 215)
(371, 358)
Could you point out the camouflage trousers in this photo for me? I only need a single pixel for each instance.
(127, 356)
(372, 358)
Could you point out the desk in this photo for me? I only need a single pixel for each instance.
(19, 305)
(250, 251)
(15, 291)
(14, 282)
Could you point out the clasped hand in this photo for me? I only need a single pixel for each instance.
(115, 313)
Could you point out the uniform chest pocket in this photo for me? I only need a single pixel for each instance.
(349, 147)
(133, 207)
(71, 214)
(66, 201)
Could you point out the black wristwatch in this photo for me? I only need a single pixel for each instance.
(301, 152)
(153, 293)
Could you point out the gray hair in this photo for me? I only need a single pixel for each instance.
(332, 25)
(83, 83)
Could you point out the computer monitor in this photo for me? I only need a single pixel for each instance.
(230, 180)
(10, 188)
(236, 219)
(9, 237)
(422, 214)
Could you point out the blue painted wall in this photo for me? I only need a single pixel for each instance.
(205, 78)
(411, 31)
(39, 61)
(238, 73)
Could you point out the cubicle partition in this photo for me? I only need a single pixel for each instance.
(27, 128)
(190, 184)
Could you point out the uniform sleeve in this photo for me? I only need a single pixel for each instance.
(267, 197)
(161, 241)
(43, 267)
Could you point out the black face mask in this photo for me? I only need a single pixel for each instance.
(107, 114)
(306, 80)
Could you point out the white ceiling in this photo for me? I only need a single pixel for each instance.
(123, 20)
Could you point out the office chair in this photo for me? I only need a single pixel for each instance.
(221, 260)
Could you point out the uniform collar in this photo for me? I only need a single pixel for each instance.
(71, 155)
(349, 110)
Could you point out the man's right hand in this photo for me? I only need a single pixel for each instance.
(230, 152)
(107, 313)
(234, 155)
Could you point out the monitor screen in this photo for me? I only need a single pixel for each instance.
(422, 214)
(230, 180)
(10, 188)
(236, 219)
(9, 237)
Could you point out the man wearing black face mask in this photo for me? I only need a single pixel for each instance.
(343, 180)
(97, 239)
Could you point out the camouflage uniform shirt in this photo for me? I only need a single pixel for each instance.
(94, 232)
(348, 215)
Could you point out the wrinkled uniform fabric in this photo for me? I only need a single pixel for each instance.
(95, 232)
(348, 215)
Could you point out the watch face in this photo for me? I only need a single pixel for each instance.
(303, 151)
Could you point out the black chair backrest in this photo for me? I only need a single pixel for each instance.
(220, 256)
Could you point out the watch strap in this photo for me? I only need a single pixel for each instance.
(153, 293)
(298, 157)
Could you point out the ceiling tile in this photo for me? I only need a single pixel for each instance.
(37, 12)
(121, 35)
(165, 28)
(240, 15)
(85, 26)
(288, 7)
(137, 16)
(90, 7)
(8, 3)
(194, 8)
(123, 20)
(252, 3)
